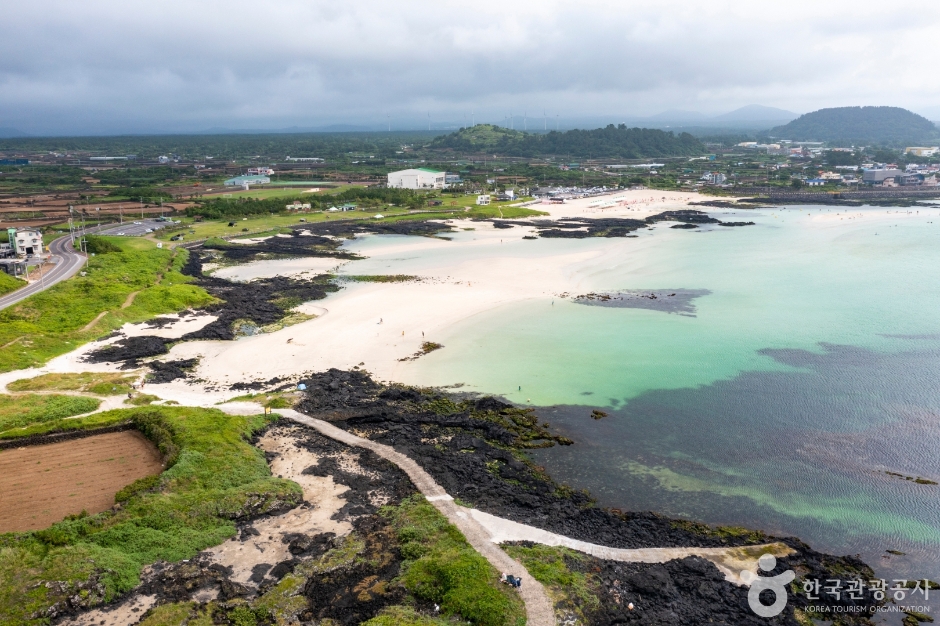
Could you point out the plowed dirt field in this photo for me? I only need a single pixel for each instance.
(40, 485)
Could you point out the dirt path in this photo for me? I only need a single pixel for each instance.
(127, 302)
(130, 297)
(92, 323)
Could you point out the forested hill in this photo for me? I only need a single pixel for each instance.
(612, 141)
(883, 125)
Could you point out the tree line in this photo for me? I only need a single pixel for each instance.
(610, 141)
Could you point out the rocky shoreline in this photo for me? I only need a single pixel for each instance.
(475, 450)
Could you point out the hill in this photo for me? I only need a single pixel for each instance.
(883, 125)
(611, 141)
(10, 133)
(756, 113)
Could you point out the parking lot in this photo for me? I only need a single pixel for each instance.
(136, 228)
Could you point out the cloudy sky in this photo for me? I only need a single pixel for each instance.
(108, 66)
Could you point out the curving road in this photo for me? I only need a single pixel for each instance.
(68, 262)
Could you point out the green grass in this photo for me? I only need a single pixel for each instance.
(404, 616)
(169, 614)
(17, 411)
(99, 383)
(217, 478)
(441, 567)
(10, 283)
(268, 193)
(51, 323)
(378, 278)
(550, 566)
(143, 399)
(271, 224)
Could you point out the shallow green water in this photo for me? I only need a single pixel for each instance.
(809, 369)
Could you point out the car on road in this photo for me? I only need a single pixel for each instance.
(119, 234)
(138, 223)
(149, 230)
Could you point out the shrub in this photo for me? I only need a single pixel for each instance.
(100, 245)
(441, 567)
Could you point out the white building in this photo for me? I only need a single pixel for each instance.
(420, 178)
(714, 178)
(260, 171)
(245, 181)
(922, 151)
(26, 241)
(483, 200)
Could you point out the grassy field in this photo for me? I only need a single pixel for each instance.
(99, 383)
(10, 283)
(269, 224)
(214, 476)
(19, 410)
(53, 322)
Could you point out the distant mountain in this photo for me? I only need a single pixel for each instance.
(610, 141)
(11, 133)
(678, 115)
(883, 125)
(756, 113)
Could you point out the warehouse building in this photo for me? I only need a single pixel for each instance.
(420, 178)
(245, 181)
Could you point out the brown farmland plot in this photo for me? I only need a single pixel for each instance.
(40, 485)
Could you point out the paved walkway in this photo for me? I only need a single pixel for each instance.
(539, 607)
(731, 561)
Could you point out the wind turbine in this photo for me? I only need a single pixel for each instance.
(429, 120)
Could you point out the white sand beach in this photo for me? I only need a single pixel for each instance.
(379, 325)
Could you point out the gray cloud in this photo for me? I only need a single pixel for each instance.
(107, 66)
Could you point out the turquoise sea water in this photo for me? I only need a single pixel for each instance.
(809, 370)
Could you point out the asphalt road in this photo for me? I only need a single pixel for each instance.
(68, 263)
